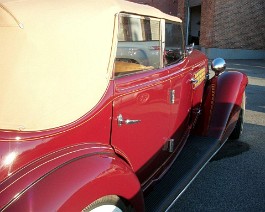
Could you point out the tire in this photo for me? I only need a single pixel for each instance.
(240, 122)
(107, 204)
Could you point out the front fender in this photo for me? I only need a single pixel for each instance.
(76, 183)
(221, 105)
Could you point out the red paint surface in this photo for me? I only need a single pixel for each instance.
(93, 157)
(222, 104)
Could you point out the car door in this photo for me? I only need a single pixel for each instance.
(199, 74)
(140, 126)
(181, 106)
(141, 108)
(181, 86)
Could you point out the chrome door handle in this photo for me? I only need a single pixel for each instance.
(128, 121)
(193, 80)
(121, 121)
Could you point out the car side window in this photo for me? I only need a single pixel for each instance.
(138, 46)
(174, 43)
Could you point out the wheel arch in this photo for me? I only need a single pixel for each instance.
(77, 183)
(221, 105)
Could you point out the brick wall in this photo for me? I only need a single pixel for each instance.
(226, 24)
(181, 9)
(231, 24)
(207, 23)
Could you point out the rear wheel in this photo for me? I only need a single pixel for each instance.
(240, 122)
(107, 204)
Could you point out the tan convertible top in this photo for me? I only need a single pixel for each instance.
(55, 58)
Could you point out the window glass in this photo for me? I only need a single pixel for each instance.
(138, 46)
(174, 51)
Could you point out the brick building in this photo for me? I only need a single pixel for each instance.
(227, 28)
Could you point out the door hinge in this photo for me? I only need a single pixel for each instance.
(169, 145)
(172, 96)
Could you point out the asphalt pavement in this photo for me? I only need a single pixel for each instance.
(234, 180)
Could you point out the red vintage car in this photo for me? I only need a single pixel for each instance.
(100, 100)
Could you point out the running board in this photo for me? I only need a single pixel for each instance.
(192, 159)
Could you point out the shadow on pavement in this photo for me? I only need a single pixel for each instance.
(230, 149)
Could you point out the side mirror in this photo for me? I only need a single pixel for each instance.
(189, 49)
(218, 66)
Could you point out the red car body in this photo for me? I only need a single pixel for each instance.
(69, 167)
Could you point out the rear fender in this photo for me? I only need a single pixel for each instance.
(77, 183)
(221, 105)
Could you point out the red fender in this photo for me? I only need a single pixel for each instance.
(221, 105)
(78, 182)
